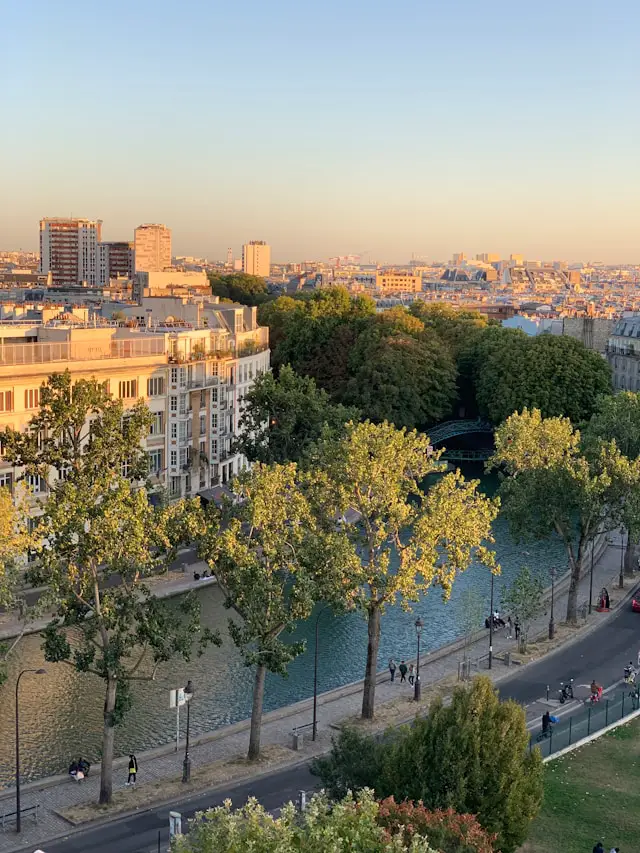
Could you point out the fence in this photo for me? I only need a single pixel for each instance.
(586, 722)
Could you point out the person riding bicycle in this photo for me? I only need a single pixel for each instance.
(596, 691)
(546, 723)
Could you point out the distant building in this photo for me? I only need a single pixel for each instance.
(488, 258)
(390, 281)
(171, 283)
(623, 353)
(152, 248)
(593, 332)
(458, 259)
(256, 258)
(69, 250)
(115, 260)
(518, 260)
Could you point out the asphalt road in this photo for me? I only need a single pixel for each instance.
(602, 655)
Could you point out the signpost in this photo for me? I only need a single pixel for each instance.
(176, 700)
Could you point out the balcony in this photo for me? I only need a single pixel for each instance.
(44, 353)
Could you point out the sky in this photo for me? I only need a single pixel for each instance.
(385, 129)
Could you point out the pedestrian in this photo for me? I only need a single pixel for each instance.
(133, 769)
(403, 671)
(411, 674)
(392, 669)
(516, 628)
(614, 850)
(599, 848)
(509, 628)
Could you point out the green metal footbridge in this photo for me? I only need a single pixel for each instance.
(450, 429)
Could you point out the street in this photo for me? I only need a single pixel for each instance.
(602, 655)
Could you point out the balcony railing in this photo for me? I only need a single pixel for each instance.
(43, 353)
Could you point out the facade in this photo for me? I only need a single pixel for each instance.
(256, 258)
(69, 250)
(623, 353)
(193, 380)
(390, 281)
(115, 260)
(152, 248)
(171, 283)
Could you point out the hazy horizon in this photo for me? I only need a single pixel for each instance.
(418, 128)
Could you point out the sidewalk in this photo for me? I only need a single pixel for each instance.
(333, 708)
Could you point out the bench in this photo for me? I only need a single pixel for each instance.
(12, 817)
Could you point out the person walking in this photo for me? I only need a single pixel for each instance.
(133, 769)
(516, 628)
(412, 674)
(509, 631)
(599, 848)
(403, 671)
(392, 669)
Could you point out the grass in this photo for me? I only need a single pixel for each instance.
(590, 795)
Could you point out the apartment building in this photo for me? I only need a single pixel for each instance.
(152, 244)
(391, 281)
(192, 378)
(623, 353)
(115, 260)
(256, 258)
(69, 250)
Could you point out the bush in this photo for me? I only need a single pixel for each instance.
(444, 829)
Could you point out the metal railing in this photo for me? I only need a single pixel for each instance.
(589, 720)
(43, 353)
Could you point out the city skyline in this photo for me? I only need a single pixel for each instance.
(422, 130)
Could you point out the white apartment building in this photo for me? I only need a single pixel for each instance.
(152, 245)
(192, 378)
(256, 258)
(69, 250)
(623, 353)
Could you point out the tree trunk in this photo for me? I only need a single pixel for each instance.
(572, 598)
(630, 557)
(256, 713)
(369, 694)
(106, 769)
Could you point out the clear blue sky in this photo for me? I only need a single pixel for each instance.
(414, 126)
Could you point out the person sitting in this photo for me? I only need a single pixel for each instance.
(73, 769)
(84, 766)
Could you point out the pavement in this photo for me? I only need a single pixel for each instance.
(600, 650)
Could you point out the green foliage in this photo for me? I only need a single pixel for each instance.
(553, 373)
(403, 540)
(617, 418)
(472, 613)
(457, 328)
(239, 287)
(446, 830)
(552, 487)
(523, 598)
(345, 826)
(269, 555)
(282, 418)
(471, 756)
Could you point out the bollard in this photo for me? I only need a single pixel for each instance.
(547, 692)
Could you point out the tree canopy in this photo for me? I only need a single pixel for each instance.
(239, 287)
(282, 418)
(471, 755)
(15, 540)
(553, 373)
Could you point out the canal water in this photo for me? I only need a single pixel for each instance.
(60, 712)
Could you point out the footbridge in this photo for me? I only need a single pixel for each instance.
(450, 429)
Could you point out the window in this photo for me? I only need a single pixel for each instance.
(64, 472)
(174, 458)
(174, 487)
(214, 395)
(214, 446)
(124, 468)
(127, 389)
(203, 448)
(155, 386)
(32, 398)
(174, 430)
(6, 481)
(203, 424)
(155, 461)
(214, 420)
(203, 399)
(174, 375)
(184, 459)
(173, 403)
(157, 424)
(36, 483)
(214, 368)
(183, 431)
(6, 401)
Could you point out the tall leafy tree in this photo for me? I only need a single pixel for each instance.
(552, 487)
(270, 558)
(405, 539)
(522, 599)
(282, 418)
(457, 328)
(471, 755)
(15, 540)
(239, 287)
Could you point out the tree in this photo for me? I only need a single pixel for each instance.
(239, 287)
(268, 555)
(94, 527)
(15, 540)
(472, 614)
(617, 418)
(446, 829)
(283, 417)
(523, 599)
(556, 374)
(349, 825)
(471, 755)
(551, 487)
(403, 540)
(455, 327)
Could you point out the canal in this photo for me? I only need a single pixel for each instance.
(60, 712)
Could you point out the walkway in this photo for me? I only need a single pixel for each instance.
(333, 708)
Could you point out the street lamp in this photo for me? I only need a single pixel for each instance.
(186, 764)
(18, 816)
(416, 689)
(491, 626)
(552, 624)
(314, 728)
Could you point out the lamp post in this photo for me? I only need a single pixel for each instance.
(491, 626)
(417, 688)
(186, 764)
(552, 624)
(314, 728)
(18, 815)
(621, 578)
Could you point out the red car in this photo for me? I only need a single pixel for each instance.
(635, 605)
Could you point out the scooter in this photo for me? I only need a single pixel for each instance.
(566, 691)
